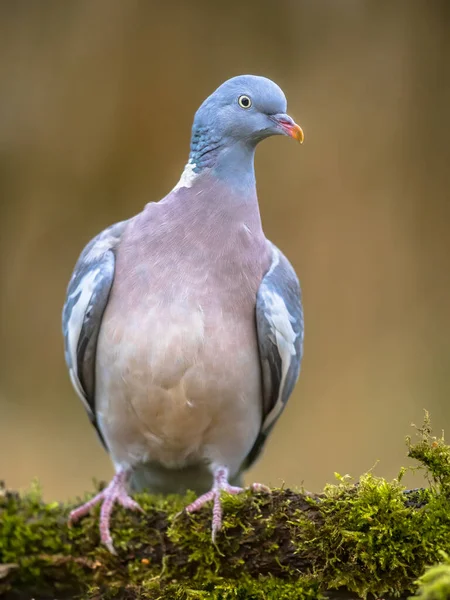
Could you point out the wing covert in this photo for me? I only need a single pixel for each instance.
(86, 300)
(280, 327)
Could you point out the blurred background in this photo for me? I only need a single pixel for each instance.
(96, 104)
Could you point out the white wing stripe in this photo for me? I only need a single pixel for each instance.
(284, 337)
(85, 290)
(79, 390)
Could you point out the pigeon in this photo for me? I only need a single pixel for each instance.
(183, 325)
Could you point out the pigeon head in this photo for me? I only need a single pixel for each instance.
(240, 113)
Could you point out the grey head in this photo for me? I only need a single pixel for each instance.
(229, 124)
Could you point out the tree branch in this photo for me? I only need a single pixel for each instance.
(372, 537)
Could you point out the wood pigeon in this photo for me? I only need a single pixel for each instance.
(183, 325)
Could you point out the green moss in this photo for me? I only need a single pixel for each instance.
(369, 540)
(245, 588)
(372, 537)
(435, 583)
(433, 456)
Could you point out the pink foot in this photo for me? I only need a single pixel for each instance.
(220, 485)
(114, 492)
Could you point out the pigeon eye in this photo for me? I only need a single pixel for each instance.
(244, 102)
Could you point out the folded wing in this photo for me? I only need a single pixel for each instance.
(279, 320)
(86, 300)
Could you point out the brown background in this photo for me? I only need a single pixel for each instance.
(96, 103)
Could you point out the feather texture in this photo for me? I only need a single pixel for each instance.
(280, 327)
(87, 297)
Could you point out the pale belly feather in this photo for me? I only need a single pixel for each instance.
(175, 390)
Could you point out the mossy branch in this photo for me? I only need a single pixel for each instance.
(369, 538)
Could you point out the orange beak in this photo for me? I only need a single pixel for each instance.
(296, 132)
(289, 127)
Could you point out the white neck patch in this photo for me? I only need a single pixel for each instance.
(187, 177)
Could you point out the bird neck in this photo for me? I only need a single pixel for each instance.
(224, 189)
(229, 160)
(235, 166)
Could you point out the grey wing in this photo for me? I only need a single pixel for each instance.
(280, 327)
(86, 300)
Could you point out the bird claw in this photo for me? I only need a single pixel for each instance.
(220, 485)
(128, 502)
(260, 487)
(114, 492)
(110, 547)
